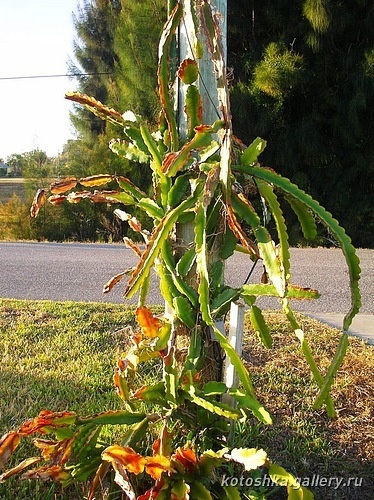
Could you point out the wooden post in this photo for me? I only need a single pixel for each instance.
(207, 82)
(186, 47)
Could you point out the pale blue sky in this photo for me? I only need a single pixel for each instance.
(36, 38)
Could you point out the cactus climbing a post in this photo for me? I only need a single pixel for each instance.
(210, 180)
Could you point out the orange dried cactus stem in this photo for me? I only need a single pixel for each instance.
(156, 465)
(38, 202)
(113, 281)
(64, 185)
(97, 107)
(96, 180)
(187, 457)
(8, 443)
(124, 457)
(149, 323)
(54, 472)
(47, 420)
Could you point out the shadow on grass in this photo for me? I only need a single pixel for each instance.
(22, 398)
(305, 441)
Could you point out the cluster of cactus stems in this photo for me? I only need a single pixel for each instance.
(197, 181)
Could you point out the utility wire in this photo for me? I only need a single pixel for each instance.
(51, 76)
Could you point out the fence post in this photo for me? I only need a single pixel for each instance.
(235, 337)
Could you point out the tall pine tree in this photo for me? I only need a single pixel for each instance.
(303, 79)
(115, 61)
(136, 47)
(95, 59)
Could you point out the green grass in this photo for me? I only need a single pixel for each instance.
(305, 441)
(9, 187)
(62, 356)
(58, 355)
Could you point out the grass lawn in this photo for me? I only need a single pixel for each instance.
(62, 355)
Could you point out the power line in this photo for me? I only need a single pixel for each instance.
(51, 76)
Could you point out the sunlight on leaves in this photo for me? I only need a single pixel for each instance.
(251, 458)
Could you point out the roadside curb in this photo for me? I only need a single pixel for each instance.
(362, 325)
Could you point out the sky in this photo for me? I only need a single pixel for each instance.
(36, 38)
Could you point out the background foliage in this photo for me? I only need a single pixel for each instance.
(302, 77)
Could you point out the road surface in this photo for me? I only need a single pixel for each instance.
(78, 271)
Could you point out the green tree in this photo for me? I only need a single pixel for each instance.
(116, 53)
(36, 168)
(94, 58)
(303, 77)
(135, 44)
(16, 161)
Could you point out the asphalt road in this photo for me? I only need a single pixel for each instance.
(77, 272)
